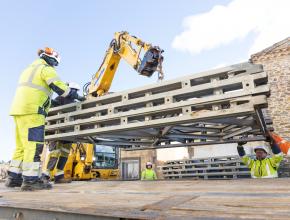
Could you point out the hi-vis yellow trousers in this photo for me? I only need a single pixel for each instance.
(29, 145)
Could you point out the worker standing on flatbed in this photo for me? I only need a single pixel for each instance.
(262, 166)
(59, 150)
(29, 109)
(148, 173)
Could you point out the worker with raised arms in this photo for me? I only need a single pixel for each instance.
(262, 166)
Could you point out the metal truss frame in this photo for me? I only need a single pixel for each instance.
(213, 107)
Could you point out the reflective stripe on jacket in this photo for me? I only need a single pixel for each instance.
(35, 87)
(266, 168)
(148, 174)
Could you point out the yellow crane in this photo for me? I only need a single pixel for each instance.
(85, 160)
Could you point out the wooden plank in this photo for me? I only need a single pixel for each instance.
(204, 199)
(168, 203)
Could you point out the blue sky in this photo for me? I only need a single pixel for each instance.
(81, 31)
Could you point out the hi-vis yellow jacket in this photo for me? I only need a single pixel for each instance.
(35, 87)
(148, 174)
(266, 168)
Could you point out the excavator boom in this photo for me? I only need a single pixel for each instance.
(127, 47)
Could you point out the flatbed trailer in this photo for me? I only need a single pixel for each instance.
(180, 199)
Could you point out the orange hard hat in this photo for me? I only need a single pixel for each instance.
(50, 52)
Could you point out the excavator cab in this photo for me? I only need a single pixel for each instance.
(151, 61)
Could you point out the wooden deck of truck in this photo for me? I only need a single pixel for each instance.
(180, 199)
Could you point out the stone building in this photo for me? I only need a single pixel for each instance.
(276, 62)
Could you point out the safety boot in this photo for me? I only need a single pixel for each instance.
(13, 182)
(62, 180)
(45, 179)
(35, 185)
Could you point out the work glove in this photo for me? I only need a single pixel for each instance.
(73, 94)
(241, 143)
(240, 148)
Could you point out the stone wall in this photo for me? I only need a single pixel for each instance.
(276, 62)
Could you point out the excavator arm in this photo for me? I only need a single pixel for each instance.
(127, 47)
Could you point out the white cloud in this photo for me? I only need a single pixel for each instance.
(268, 19)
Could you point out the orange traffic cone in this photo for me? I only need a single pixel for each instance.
(283, 144)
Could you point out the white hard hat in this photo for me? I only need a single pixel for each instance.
(74, 85)
(261, 148)
(148, 164)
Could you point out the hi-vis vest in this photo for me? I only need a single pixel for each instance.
(148, 174)
(33, 93)
(266, 168)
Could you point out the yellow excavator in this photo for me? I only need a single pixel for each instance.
(127, 47)
(88, 160)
